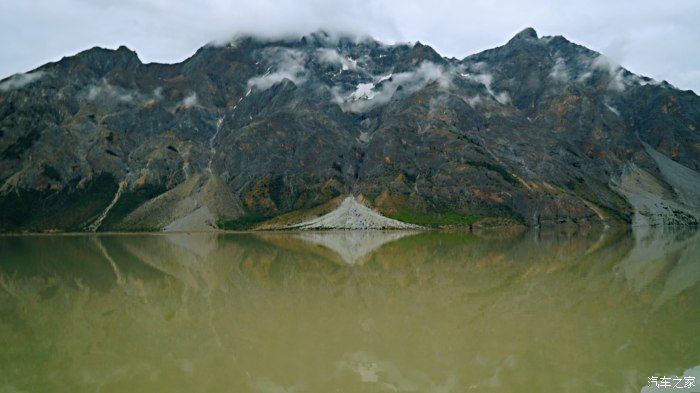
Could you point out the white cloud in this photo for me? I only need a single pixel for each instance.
(106, 91)
(605, 63)
(503, 98)
(474, 101)
(18, 81)
(645, 81)
(189, 101)
(158, 93)
(559, 71)
(370, 95)
(584, 77)
(437, 106)
(650, 38)
(331, 56)
(617, 81)
(363, 91)
(486, 79)
(480, 66)
(284, 63)
(615, 71)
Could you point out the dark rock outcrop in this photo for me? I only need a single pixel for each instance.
(537, 131)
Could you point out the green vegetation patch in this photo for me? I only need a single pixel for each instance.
(50, 172)
(297, 216)
(65, 210)
(435, 219)
(431, 238)
(242, 223)
(129, 201)
(494, 168)
(15, 150)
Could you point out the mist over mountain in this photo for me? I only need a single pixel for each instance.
(264, 132)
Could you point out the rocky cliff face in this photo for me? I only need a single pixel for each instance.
(537, 131)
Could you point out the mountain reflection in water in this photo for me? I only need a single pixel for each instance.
(348, 311)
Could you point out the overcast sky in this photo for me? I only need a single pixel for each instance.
(654, 38)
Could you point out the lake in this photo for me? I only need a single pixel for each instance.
(534, 311)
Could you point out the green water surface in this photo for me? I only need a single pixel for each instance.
(348, 311)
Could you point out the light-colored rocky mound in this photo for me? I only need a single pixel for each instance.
(194, 205)
(351, 214)
(673, 200)
(685, 181)
(653, 203)
(353, 246)
(209, 203)
(666, 253)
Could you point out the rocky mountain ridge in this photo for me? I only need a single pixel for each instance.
(538, 131)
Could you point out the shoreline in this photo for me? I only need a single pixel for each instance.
(452, 229)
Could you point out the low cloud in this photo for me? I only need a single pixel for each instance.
(284, 64)
(105, 91)
(559, 71)
(18, 81)
(650, 38)
(584, 77)
(437, 106)
(188, 102)
(363, 91)
(158, 93)
(474, 101)
(370, 95)
(646, 81)
(331, 56)
(615, 71)
(486, 79)
(503, 98)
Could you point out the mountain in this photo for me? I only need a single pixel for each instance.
(275, 132)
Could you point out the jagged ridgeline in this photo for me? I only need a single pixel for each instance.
(259, 133)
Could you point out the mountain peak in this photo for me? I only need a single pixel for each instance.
(527, 33)
(122, 53)
(263, 127)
